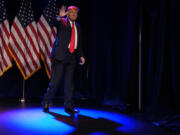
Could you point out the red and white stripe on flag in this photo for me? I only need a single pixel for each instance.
(23, 43)
(24, 47)
(47, 33)
(5, 58)
(47, 36)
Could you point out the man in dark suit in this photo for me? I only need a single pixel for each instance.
(66, 49)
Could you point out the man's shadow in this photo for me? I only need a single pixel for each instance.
(85, 125)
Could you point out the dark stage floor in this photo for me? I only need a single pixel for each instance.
(28, 119)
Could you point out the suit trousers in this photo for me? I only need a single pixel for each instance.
(59, 71)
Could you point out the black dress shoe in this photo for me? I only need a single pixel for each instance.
(71, 111)
(46, 107)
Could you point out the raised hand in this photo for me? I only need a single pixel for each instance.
(62, 11)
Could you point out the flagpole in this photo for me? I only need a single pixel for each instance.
(23, 93)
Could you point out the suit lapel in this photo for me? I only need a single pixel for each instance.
(78, 32)
(69, 30)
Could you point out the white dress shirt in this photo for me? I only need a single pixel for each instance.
(75, 47)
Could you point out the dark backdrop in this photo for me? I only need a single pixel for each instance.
(159, 21)
(160, 47)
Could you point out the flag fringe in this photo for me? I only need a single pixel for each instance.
(24, 76)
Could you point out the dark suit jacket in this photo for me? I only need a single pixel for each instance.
(63, 37)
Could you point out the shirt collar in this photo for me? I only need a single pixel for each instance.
(71, 22)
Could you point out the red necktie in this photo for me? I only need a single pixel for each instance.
(72, 43)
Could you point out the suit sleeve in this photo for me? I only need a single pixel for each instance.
(56, 22)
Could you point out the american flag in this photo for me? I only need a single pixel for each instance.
(24, 40)
(47, 33)
(5, 57)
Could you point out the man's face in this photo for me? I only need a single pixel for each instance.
(72, 14)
